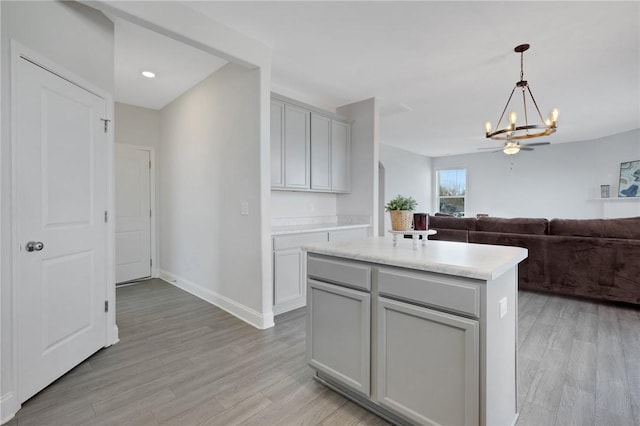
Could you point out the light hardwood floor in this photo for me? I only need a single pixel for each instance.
(181, 361)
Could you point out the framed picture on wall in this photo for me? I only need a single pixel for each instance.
(629, 179)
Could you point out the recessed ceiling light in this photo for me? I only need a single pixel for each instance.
(148, 74)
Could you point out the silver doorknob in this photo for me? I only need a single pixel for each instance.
(34, 246)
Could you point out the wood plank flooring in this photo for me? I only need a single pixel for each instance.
(181, 361)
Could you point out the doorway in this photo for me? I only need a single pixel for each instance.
(135, 196)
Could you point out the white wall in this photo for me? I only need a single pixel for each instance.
(79, 39)
(210, 163)
(363, 198)
(558, 180)
(137, 126)
(292, 204)
(407, 174)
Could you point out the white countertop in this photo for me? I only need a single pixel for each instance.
(479, 261)
(315, 227)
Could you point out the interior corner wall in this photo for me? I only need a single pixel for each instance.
(79, 39)
(407, 174)
(363, 198)
(555, 181)
(135, 125)
(211, 164)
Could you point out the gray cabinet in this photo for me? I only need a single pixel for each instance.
(289, 270)
(330, 154)
(411, 342)
(277, 144)
(297, 148)
(310, 151)
(320, 152)
(339, 325)
(290, 146)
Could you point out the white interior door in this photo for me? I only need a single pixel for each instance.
(61, 187)
(133, 214)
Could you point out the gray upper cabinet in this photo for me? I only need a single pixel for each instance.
(320, 152)
(277, 144)
(309, 151)
(340, 156)
(297, 147)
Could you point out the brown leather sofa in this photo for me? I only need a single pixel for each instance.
(595, 258)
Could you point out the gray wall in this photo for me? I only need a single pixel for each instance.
(137, 126)
(407, 174)
(363, 198)
(210, 163)
(558, 180)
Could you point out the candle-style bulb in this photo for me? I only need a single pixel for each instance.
(554, 114)
(487, 127)
(512, 118)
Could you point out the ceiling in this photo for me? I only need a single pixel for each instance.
(441, 69)
(177, 66)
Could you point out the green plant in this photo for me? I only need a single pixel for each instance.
(401, 203)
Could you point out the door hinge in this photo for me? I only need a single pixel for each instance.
(106, 124)
(106, 216)
(150, 262)
(149, 164)
(106, 306)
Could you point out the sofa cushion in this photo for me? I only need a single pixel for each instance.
(457, 235)
(513, 225)
(532, 271)
(628, 228)
(449, 222)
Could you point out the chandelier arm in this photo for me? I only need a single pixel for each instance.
(505, 108)
(524, 106)
(535, 104)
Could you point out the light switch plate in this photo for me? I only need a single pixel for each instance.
(502, 304)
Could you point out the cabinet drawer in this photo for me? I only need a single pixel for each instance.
(449, 293)
(297, 241)
(343, 273)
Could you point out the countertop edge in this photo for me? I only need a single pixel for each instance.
(319, 228)
(410, 263)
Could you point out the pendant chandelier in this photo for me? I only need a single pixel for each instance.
(512, 131)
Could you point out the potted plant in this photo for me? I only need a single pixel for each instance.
(401, 211)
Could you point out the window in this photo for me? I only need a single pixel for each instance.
(452, 190)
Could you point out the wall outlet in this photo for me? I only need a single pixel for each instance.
(502, 304)
(244, 208)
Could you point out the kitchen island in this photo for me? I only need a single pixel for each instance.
(425, 336)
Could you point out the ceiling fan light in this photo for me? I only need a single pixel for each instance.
(511, 149)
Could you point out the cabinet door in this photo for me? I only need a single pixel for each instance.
(288, 276)
(277, 144)
(296, 147)
(320, 152)
(338, 334)
(427, 364)
(340, 156)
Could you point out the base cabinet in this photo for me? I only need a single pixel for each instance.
(338, 334)
(411, 341)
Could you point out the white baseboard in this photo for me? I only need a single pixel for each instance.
(246, 314)
(8, 407)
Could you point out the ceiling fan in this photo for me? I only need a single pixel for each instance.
(513, 147)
